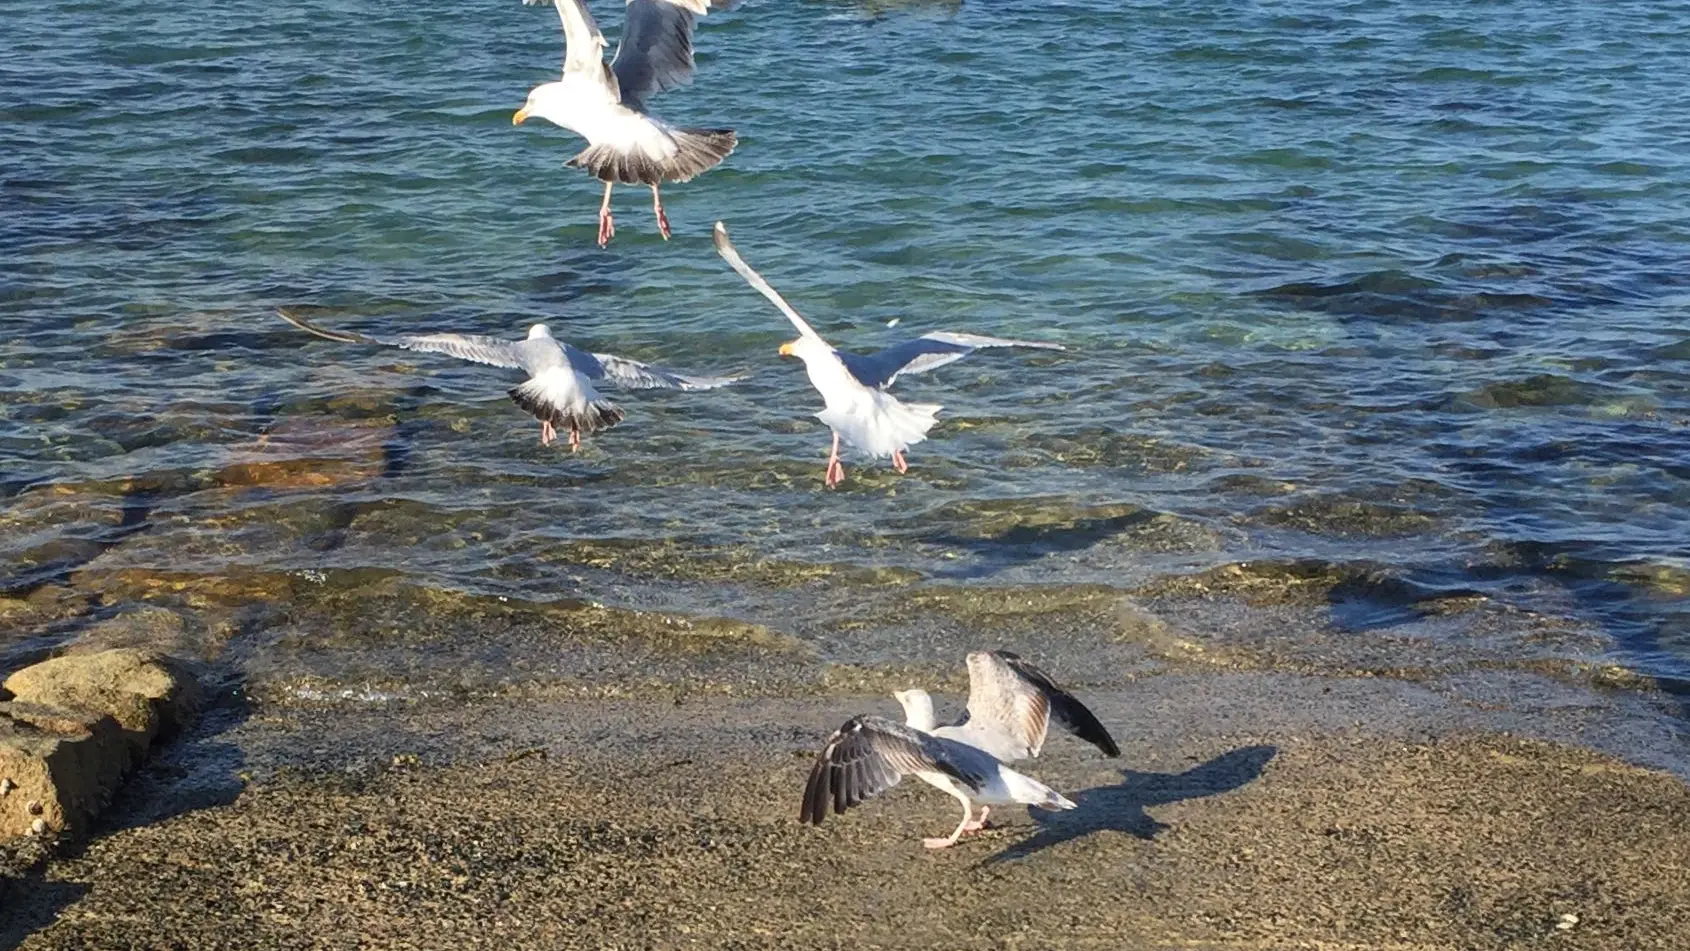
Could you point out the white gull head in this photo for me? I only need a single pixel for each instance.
(918, 709)
(539, 331)
(807, 348)
(548, 101)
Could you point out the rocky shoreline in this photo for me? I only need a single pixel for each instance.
(1250, 809)
(392, 763)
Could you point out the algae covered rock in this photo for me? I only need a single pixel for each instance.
(75, 725)
(144, 692)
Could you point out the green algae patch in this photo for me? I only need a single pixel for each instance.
(390, 610)
(44, 605)
(686, 633)
(1352, 516)
(1055, 523)
(988, 606)
(1102, 447)
(886, 679)
(1615, 677)
(1657, 580)
(370, 606)
(1540, 390)
(192, 589)
(693, 562)
(1302, 581)
(1176, 648)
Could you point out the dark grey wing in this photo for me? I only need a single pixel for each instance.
(489, 350)
(1013, 697)
(635, 375)
(869, 755)
(924, 353)
(655, 51)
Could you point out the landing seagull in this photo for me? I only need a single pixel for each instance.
(606, 105)
(559, 392)
(853, 385)
(1010, 705)
(869, 755)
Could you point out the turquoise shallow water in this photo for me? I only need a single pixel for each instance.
(1396, 289)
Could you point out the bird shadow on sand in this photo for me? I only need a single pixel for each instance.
(1121, 807)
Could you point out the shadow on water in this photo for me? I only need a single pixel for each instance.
(1024, 544)
(1121, 808)
(396, 457)
(1379, 599)
(195, 770)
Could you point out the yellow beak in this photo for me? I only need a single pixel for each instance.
(786, 349)
(521, 114)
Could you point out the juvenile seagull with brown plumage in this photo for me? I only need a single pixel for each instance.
(1011, 704)
(606, 104)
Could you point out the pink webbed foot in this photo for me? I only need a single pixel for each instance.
(898, 462)
(662, 218)
(574, 440)
(939, 843)
(975, 825)
(607, 227)
(547, 433)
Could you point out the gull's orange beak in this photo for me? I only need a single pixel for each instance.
(786, 349)
(521, 114)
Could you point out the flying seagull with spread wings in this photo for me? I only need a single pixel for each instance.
(606, 104)
(559, 392)
(853, 385)
(1010, 706)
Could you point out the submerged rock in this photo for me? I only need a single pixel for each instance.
(311, 452)
(74, 726)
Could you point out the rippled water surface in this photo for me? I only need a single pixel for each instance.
(1392, 297)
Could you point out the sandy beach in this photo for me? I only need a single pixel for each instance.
(1248, 810)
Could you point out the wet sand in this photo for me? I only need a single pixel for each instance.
(1249, 810)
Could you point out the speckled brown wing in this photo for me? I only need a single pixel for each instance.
(869, 755)
(1016, 697)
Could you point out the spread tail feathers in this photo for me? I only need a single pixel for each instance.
(1034, 793)
(1058, 801)
(696, 151)
(589, 418)
(890, 426)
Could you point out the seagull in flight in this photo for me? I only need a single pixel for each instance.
(1010, 706)
(853, 385)
(606, 104)
(559, 392)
